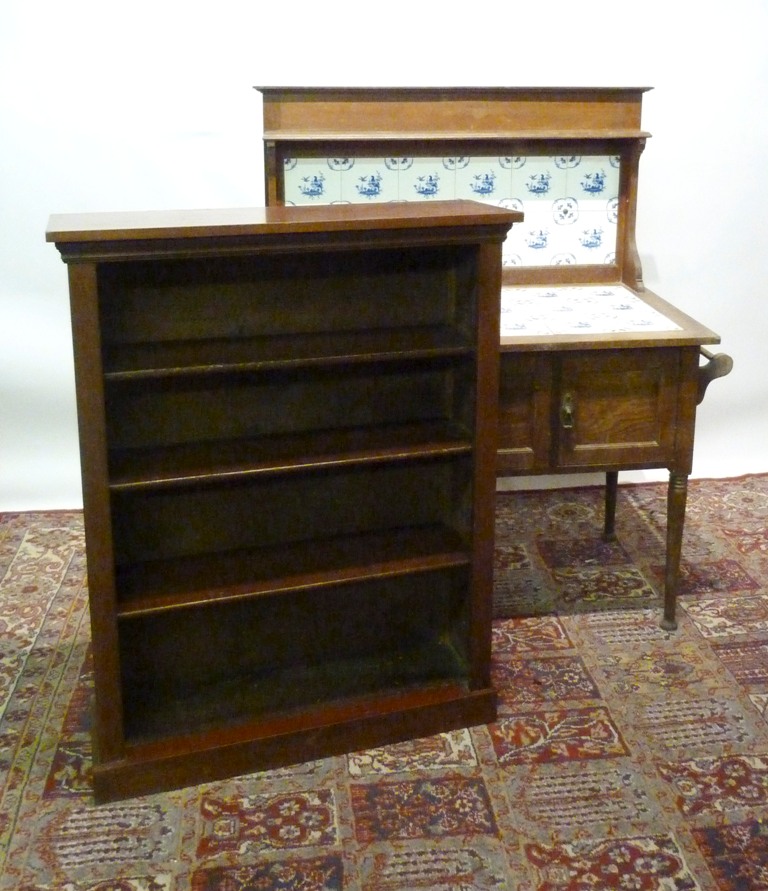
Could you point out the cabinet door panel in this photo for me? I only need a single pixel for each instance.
(616, 408)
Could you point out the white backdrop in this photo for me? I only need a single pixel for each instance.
(151, 105)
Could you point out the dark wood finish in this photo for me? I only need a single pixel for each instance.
(288, 439)
(566, 402)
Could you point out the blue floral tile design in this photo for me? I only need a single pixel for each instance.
(570, 202)
(368, 182)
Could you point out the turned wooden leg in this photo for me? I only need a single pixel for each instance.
(611, 490)
(677, 494)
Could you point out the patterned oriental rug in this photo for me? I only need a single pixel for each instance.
(624, 757)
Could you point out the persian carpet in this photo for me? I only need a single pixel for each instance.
(623, 757)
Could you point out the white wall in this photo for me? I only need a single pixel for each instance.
(150, 105)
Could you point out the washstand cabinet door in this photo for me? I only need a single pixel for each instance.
(616, 408)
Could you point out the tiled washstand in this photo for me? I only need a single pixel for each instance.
(597, 373)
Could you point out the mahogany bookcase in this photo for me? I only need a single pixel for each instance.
(287, 433)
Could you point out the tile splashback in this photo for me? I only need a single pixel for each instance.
(570, 202)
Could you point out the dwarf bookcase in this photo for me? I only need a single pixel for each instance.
(288, 440)
(597, 373)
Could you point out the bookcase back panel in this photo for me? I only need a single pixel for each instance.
(220, 407)
(202, 666)
(231, 297)
(298, 507)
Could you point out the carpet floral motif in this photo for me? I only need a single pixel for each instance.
(568, 552)
(553, 679)
(624, 757)
(653, 863)
(130, 883)
(659, 667)
(511, 556)
(444, 750)
(747, 542)
(718, 784)
(262, 823)
(582, 588)
(760, 701)
(70, 775)
(729, 616)
(317, 874)
(712, 577)
(556, 736)
(448, 806)
(737, 854)
(533, 635)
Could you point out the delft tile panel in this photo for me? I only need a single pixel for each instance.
(570, 203)
(577, 309)
(427, 178)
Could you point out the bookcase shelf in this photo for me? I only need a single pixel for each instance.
(385, 645)
(160, 585)
(134, 361)
(215, 460)
(288, 440)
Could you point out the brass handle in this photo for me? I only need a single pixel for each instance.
(566, 411)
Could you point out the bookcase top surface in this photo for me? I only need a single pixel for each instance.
(277, 220)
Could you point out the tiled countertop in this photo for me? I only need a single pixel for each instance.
(574, 309)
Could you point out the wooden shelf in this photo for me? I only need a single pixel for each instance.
(216, 461)
(135, 361)
(156, 586)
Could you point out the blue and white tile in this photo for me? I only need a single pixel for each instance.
(311, 181)
(483, 179)
(539, 180)
(593, 178)
(369, 182)
(428, 179)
